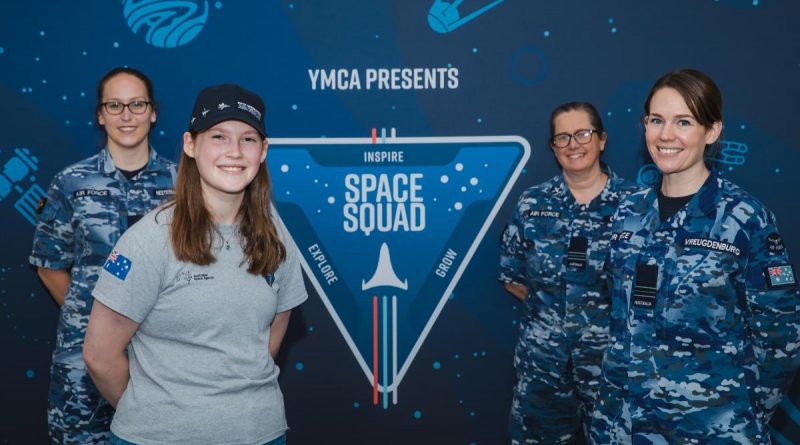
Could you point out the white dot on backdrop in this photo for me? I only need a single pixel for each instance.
(473, 181)
(457, 206)
(284, 168)
(459, 167)
(331, 199)
(463, 188)
(444, 179)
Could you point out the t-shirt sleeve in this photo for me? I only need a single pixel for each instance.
(289, 277)
(54, 238)
(130, 281)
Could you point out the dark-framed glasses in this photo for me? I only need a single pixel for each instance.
(135, 107)
(562, 140)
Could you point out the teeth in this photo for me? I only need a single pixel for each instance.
(669, 151)
(231, 168)
(575, 156)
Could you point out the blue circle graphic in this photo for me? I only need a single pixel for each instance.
(648, 175)
(168, 23)
(528, 65)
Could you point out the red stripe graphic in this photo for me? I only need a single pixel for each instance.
(374, 339)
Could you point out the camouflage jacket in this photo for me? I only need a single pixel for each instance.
(704, 321)
(557, 248)
(83, 215)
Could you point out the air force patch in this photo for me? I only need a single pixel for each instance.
(780, 276)
(118, 265)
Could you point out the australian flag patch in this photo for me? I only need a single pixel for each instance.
(118, 265)
(780, 276)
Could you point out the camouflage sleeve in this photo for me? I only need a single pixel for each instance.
(512, 252)
(774, 316)
(54, 237)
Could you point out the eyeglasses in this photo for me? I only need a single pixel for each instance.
(135, 107)
(562, 140)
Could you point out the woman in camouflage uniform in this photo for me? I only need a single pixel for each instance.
(88, 206)
(552, 260)
(705, 326)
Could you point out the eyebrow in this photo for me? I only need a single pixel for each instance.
(677, 116)
(131, 99)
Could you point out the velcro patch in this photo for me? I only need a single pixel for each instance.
(780, 276)
(576, 253)
(644, 292)
(89, 192)
(118, 265)
(165, 192)
(41, 204)
(624, 235)
(544, 214)
(706, 243)
(775, 243)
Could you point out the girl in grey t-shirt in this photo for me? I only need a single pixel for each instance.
(199, 293)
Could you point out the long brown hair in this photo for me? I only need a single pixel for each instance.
(192, 231)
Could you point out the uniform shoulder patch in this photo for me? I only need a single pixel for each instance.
(41, 204)
(775, 243)
(780, 276)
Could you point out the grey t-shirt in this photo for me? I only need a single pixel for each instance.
(200, 369)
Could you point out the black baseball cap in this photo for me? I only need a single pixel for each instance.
(226, 102)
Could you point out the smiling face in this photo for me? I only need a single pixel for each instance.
(126, 131)
(675, 139)
(577, 157)
(228, 156)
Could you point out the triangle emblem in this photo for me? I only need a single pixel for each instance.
(386, 227)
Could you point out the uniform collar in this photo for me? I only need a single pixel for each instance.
(562, 191)
(702, 203)
(105, 163)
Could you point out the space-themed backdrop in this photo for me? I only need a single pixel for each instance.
(401, 134)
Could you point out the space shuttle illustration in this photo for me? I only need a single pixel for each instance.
(384, 273)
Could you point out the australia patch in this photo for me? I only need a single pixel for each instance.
(774, 243)
(780, 276)
(118, 265)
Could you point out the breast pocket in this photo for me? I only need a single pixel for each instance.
(98, 222)
(705, 298)
(545, 250)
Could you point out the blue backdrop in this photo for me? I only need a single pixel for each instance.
(343, 69)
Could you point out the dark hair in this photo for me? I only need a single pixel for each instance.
(192, 229)
(594, 117)
(699, 91)
(101, 85)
